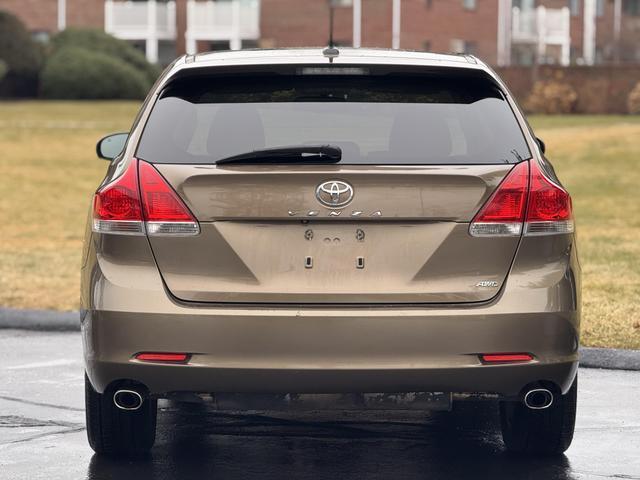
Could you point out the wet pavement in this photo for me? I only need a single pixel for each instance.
(42, 433)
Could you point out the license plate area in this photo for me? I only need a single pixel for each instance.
(338, 246)
(337, 258)
(333, 257)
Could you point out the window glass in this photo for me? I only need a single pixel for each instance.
(373, 119)
(632, 7)
(574, 7)
(469, 4)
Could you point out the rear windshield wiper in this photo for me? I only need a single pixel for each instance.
(293, 154)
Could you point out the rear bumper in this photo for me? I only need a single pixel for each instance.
(295, 351)
(304, 349)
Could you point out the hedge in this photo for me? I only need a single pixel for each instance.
(78, 73)
(551, 97)
(101, 42)
(22, 57)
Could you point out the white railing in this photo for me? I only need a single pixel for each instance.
(543, 26)
(148, 21)
(557, 24)
(230, 20)
(133, 20)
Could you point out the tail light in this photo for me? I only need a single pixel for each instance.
(549, 210)
(504, 212)
(140, 201)
(528, 201)
(116, 206)
(165, 213)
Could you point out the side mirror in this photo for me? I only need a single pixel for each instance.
(543, 147)
(111, 146)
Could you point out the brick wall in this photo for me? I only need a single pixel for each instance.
(295, 23)
(606, 46)
(85, 13)
(42, 15)
(376, 24)
(37, 15)
(601, 89)
(425, 24)
(438, 22)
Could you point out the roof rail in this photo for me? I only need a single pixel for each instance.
(467, 56)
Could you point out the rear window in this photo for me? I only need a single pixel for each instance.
(375, 119)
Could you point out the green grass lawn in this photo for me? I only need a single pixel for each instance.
(48, 171)
(598, 159)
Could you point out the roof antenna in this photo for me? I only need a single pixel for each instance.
(331, 51)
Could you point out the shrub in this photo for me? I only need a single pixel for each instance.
(74, 72)
(633, 102)
(22, 57)
(101, 42)
(551, 96)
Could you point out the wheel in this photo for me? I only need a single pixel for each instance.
(540, 432)
(116, 432)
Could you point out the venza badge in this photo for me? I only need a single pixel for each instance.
(334, 193)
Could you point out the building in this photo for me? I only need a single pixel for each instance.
(575, 31)
(503, 32)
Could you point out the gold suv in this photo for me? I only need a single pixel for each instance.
(374, 226)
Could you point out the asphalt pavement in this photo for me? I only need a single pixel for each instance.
(42, 433)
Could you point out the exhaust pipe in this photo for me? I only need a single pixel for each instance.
(538, 399)
(127, 400)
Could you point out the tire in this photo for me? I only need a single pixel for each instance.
(116, 432)
(540, 432)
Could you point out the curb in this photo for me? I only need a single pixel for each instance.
(610, 358)
(39, 320)
(51, 321)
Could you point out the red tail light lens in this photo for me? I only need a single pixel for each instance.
(141, 199)
(503, 213)
(165, 213)
(116, 206)
(119, 200)
(117, 203)
(161, 203)
(549, 209)
(525, 189)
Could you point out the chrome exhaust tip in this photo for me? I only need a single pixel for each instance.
(129, 400)
(538, 399)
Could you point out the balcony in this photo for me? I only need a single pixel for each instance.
(543, 27)
(230, 20)
(148, 21)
